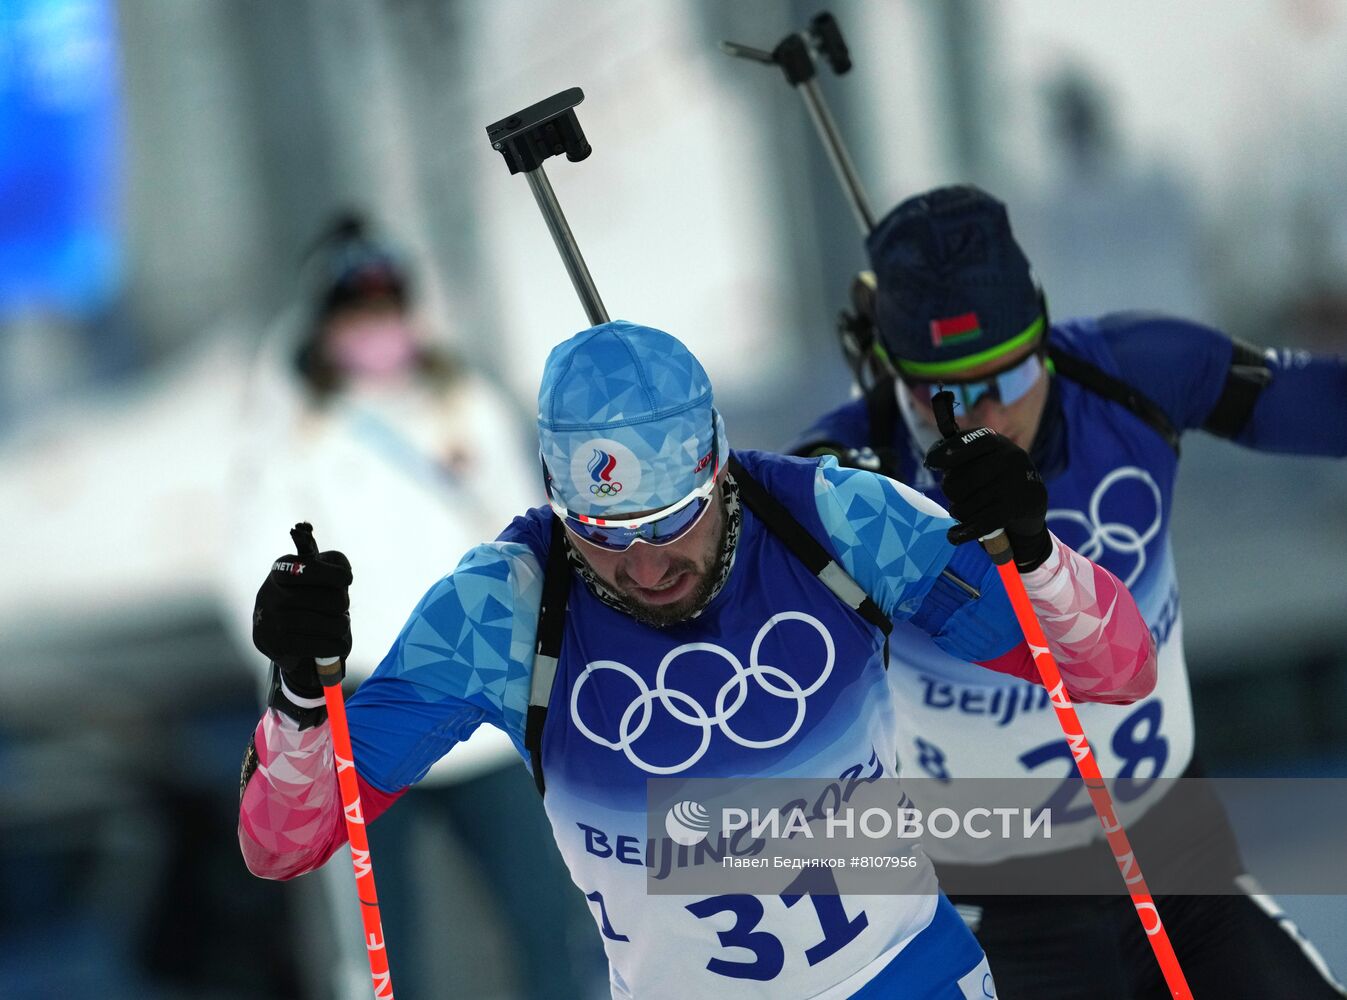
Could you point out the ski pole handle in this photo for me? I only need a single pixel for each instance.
(997, 546)
(329, 670)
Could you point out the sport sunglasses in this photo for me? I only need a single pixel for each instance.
(1005, 387)
(660, 527)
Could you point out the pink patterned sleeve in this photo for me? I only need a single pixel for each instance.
(1094, 629)
(290, 816)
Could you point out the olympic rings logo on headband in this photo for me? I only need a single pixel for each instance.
(684, 708)
(606, 489)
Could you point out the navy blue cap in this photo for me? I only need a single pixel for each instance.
(954, 288)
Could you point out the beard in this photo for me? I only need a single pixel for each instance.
(664, 615)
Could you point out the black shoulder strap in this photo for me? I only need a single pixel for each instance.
(1103, 384)
(881, 411)
(809, 550)
(551, 627)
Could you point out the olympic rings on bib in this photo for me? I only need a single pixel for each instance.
(605, 489)
(731, 696)
(1115, 536)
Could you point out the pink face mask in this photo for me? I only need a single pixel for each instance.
(372, 346)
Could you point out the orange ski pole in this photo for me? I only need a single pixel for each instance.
(998, 547)
(330, 673)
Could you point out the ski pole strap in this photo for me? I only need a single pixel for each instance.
(551, 627)
(1103, 384)
(805, 547)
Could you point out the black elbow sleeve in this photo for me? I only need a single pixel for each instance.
(1249, 374)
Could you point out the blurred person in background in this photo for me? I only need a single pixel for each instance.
(659, 542)
(1100, 403)
(360, 424)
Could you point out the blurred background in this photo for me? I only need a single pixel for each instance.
(166, 168)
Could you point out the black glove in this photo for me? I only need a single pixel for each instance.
(991, 483)
(302, 612)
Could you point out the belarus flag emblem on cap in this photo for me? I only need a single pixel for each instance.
(955, 330)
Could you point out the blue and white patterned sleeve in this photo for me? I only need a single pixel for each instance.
(464, 657)
(889, 537)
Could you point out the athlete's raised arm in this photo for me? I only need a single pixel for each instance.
(420, 702)
(913, 558)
